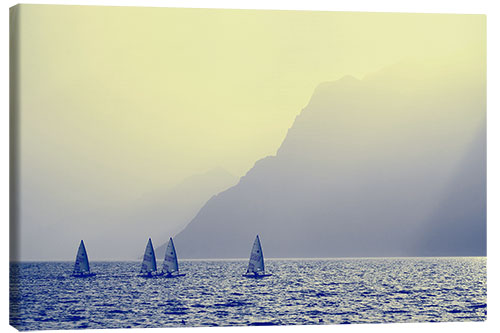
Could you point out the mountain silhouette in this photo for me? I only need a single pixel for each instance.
(158, 214)
(369, 168)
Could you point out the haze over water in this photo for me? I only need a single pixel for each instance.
(122, 105)
(213, 293)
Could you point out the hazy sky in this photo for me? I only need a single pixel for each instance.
(120, 101)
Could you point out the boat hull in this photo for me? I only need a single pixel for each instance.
(172, 275)
(148, 276)
(253, 276)
(87, 275)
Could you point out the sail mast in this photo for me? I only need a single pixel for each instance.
(82, 260)
(149, 260)
(170, 263)
(256, 262)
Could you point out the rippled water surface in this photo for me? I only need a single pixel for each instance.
(213, 293)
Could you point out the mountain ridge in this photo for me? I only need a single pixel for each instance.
(358, 174)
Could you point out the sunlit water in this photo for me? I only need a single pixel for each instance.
(213, 293)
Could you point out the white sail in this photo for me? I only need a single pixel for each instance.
(256, 263)
(82, 261)
(149, 260)
(170, 264)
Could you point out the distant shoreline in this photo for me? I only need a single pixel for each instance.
(246, 259)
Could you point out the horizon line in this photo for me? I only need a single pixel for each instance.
(240, 259)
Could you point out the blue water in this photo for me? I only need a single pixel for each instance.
(213, 293)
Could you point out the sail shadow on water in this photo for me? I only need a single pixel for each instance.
(148, 266)
(256, 263)
(82, 267)
(170, 264)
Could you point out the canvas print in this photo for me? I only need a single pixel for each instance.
(211, 167)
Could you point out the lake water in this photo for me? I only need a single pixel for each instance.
(213, 293)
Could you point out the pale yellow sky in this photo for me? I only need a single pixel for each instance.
(118, 98)
(120, 102)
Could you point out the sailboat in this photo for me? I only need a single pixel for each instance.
(148, 267)
(170, 265)
(82, 268)
(256, 264)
